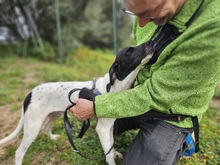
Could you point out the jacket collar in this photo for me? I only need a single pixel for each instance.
(186, 14)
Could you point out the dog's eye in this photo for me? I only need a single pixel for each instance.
(130, 49)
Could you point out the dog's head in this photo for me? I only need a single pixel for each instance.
(128, 60)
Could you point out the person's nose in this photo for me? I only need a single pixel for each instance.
(143, 21)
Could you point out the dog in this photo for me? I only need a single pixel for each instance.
(49, 100)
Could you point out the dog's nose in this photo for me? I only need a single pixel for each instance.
(150, 46)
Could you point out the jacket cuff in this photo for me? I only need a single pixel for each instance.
(94, 107)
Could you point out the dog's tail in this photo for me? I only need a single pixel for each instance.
(16, 131)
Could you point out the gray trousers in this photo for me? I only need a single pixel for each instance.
(157, 143)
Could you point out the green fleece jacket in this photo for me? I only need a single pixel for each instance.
(183, 78)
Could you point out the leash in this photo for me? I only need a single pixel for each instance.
(85, 126)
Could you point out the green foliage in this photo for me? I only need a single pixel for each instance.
(28, 49)
(10, 151)
(93, 61)
(90, 23)
(45, 53)
(7, 50)
(83, 23)
(37, 53)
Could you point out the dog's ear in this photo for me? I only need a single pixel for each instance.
(114, 69)
(108, 87)
(113, 72)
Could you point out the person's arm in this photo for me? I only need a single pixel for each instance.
(192, 67)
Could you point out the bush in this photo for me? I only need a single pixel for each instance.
(46, 53)
(9, 49)
(92, 61)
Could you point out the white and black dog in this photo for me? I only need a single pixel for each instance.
(51, 99)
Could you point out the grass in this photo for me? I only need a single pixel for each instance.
(18, 76)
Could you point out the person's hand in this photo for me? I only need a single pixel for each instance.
(83, 109)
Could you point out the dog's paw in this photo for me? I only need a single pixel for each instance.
(119, 155)
(54, 137)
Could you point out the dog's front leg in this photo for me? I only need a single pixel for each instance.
(104, 129)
